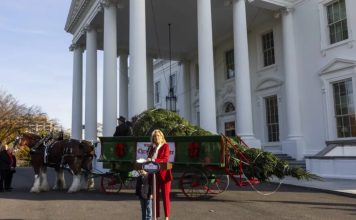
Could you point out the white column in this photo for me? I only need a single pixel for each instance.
(91, 85)
(110, 69)
(138, 67)
(150, 96)
(123, 86)
(206, 67)
(77, 92)
(243, 108)
(186, 90)
(294, 145)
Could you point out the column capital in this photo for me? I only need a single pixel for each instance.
(284, 11)
(100, 8)
(108, 3)
(90, 27)
(287, 10)
(74, 46)
(87, 28)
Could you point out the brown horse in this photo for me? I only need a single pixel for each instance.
(48, 152)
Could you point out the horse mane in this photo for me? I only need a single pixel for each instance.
(31, 136)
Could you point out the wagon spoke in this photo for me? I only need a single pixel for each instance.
(111, 184)
(194, 184)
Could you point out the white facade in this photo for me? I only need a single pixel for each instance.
(301, 81)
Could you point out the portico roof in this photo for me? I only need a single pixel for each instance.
(182, 14)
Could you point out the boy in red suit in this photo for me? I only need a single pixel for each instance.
(159, 152)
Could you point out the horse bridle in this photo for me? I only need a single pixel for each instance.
(38, 143)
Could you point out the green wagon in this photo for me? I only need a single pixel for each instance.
(201, 162)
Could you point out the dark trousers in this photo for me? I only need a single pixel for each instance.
(2, 180)
(8, 179)
(5, 179)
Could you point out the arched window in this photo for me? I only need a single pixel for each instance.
(229, 107)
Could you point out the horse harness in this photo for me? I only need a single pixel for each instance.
(39, 143)
(45, 145)
(67, 152)
(48, 147)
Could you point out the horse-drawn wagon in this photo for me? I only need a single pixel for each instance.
(204, 162)
(201, 162)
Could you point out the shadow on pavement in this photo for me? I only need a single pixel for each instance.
(23, 181)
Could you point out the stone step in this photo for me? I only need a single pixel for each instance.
(292, 161)
(284, 156)
(300, 163)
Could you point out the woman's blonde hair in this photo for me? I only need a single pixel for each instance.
(157, 131)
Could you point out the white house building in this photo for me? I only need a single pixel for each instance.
(278, 73)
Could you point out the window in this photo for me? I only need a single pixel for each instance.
(337, 22)
(272, 122)
(230, 64)
(230, 129)
(268, 49)
(172, 83)
(157, 91)
(344, 108)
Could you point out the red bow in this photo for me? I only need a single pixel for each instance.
(193, 150)
(120, 150)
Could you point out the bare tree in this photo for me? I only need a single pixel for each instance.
(14, 117)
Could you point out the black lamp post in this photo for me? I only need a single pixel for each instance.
(171, 99)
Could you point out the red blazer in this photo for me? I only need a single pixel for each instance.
(162, 157)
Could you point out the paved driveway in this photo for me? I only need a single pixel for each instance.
(236, 203)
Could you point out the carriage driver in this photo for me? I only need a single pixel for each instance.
(123, 129)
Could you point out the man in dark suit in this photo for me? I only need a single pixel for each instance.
(5, 167)
(8, 179)
(123, 129)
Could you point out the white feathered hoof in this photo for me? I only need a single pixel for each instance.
(75, 187)
(35, 190)
(36, 185)
(44, 187)
(43, 182)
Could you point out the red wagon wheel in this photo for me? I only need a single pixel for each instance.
(218, 183)
(111, 183)
(194, 184)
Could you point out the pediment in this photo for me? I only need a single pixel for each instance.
(337, 65)
(75, 10)
(267, 83)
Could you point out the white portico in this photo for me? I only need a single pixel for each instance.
(266, 70)
(138, 29)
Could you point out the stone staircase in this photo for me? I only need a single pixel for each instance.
(291, 161)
